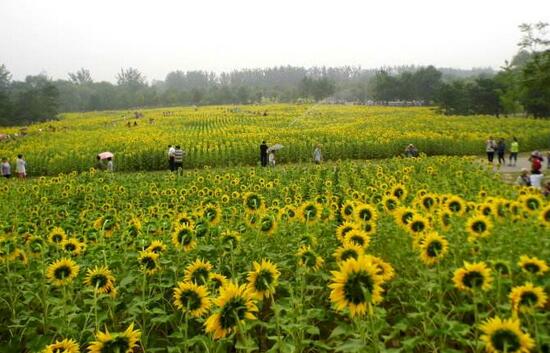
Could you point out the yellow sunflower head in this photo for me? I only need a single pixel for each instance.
(184, 237)
(122, 342)
(216, 281)
(156, 246)
(198, 272)
(532, 265)
(478, 226)
(433, 248)
(527, 297)
(505, 336)
(57, 235)
(72, 246)
(63, 346)
(358, 237)
(343, 230)
(365, 213)
(191, 298)
(383, 269)
(308, 258)
(253, 202)
(100, 279)
(348, 251)
(62, 272)
(212, 213)
(473, 277)
(356, 286)
(310, 212)
(262, 280)
(149, 262)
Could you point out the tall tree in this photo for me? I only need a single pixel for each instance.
(81, 77)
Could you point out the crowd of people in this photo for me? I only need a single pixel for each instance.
(499, 147)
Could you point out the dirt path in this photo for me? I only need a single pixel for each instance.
(509, 173)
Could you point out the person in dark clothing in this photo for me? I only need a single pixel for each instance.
(263, 154)
(501, 149)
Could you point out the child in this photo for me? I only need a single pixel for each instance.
(6, 168)
(21, 167)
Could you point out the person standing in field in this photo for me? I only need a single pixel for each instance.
(110, 166)
(490, 146)
(317, 156)
(514, 150)
(6, 168)
(263, 154)
(271, 158)
(21, 167)
(171, 152)
(178, 158)
(523, 179)
(501, 150)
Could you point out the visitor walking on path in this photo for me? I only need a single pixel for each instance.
(514, 150)
(490, 146)
(21, 167)
(263, 154)
(317, 156)
(6, 168)
(501, 150)
(171, 151)
(178, 158)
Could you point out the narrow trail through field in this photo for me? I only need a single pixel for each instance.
(510, 173)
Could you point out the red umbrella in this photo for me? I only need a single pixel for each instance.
(105, 155)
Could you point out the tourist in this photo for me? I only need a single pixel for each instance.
(501, 149)
(317, 156)
(490, 146)
(6, 168)
(523, 179)
(110, 166)
(411, 151)
(514, 150)
(536, 180)
(21, 167)
(271, 158)
(536, 162)
(263, 154)
(178, 158)
(171, 151)
(99, 165)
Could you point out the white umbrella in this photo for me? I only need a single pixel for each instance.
(275, 147)
(105, 155)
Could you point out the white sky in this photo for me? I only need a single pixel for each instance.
(159, 36)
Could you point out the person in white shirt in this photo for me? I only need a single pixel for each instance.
(110, 166)
(21, 167)
(536, 180)
(317, 157)
(6, 168)
(171, 154)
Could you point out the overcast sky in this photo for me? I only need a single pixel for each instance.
(158, 36)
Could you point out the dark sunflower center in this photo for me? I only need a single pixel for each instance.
(346, 230)
(211, 214)
(56, 238)
(473, 279)
(190, 300)
(406, 218)
(99, 280)
(434, 248)
(263, 280)
(149, 263)
(546, 216)
(253, 202)
(310, 211)
(347, 254)
(62, 272)
(348, 210)
(232, 311)
(358, 287)
(531, 267)
(357, 239)
(309, 259)
(70, 247)
(365, 214)
(200, 275)
(116, 345)
(502, 268)
(428, 202)
(455, 206)
(533, 204)
(418, 226)
(479, 226)
(528, 298)
(184, 237)
(391, 204)
(398, 193)
(505, 341)
(267, 224)
(156, 249)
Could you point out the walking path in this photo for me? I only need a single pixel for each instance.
(509, 174)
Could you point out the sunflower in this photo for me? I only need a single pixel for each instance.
(62, 272)
(527, 297)
(501, 267)
(253, 202)
(100, 278)
(544, 216)
(391, 203)
(287, 213)
(418, 224)
(427, 202)
(383, 269)
(532, 265)
(35, 244)
(235, 304)
(183, 219)
(433, 248)
(231, 238)
(359, 237)
(309, 258)
(505, 336)
(444, 218)
(121, 342)
(355, 286)
(478, 226)
(267, 224)
(262, 281)
(156, 246)
(473, 276)
(212, 213)
(57, 235)
(191, 298)
(216, 280)
(134, 227)
(456, 205)
(347, 251)
(365, 213)
(532, 202)
(198, 272)
(72, 246)
(64, 346)
(183, 237)
(149, 261)
(347, 210)
(404, 215)
(343, 230)
(399, 191)
(310, 212)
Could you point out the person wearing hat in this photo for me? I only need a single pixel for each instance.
(523, 179)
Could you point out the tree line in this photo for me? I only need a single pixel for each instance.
(521, 86)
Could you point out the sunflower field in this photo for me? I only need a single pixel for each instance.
(230, 135)
(432, 254)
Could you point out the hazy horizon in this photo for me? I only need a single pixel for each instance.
(61, 37)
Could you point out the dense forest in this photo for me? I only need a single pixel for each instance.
(521, 86)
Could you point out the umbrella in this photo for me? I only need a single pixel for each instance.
(275, 147)
(105, 155)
